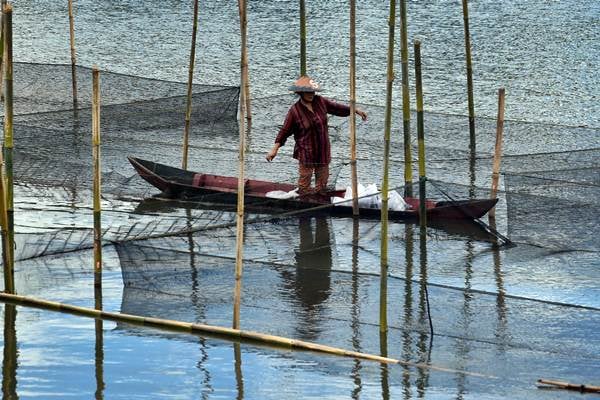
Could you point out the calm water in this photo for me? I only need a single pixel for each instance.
(512, 315)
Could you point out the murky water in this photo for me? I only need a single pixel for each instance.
(502, 318)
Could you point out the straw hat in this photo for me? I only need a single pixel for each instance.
(305, 84)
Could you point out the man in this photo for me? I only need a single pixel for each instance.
(307, 121)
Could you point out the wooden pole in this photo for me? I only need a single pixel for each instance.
(567, 385)
(302, 38)
(241, 185)
(192, 328)
(420, 135)
(8, 128)
(188, 108)
(244, 43)
(97, 176)
(217, 331)
(386, 160)
(73, 57)
(465, 8)
(2, 3)
(497, 150)
(405, 100)
(355, 210)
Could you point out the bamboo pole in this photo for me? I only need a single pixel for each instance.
(193, 328)
(237, 294)
(420, 135)
(7, 248)
(217, 331)
(244, 44)
(355, 210)
(568, 386)
(188, 107)
(497, 150)
(97, 177)
(405, 100)
(386, 160)
(2, 3)
(465, 8)
(302, 38)
(73, 57)
(8, 127)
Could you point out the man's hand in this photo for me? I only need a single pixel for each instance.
(273, 153)
(362, 114)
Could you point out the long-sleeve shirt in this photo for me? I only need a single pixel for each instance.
(310, 130)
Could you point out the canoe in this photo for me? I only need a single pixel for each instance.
(176, 183)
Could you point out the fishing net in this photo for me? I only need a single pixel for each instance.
(543, 190)
(307, 275)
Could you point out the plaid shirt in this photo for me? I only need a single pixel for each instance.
(310, 130)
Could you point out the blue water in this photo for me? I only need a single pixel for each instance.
(525, 318)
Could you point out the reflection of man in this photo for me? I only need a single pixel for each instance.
(313, 269)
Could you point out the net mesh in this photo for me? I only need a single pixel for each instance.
(318, 276)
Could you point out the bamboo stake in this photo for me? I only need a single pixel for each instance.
(193, 328)
(9, 276)
(302, 38)
(2, 3)
(188, 108)
(355, 210)
(386, 160)
(405, 100)
(465, 7)
(237, 294)
(420, 135)
(73, 58)
(8, 127)
(217, 331)
(244, 44)
(568, 386)
(97, 177)
(497, 150)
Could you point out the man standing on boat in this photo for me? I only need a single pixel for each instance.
(307, 121)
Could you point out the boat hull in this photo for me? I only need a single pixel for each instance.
(176, 183)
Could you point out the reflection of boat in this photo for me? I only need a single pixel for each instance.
(179, 183)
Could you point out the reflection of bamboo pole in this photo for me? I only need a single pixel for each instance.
(73, 58)
(302, 38)
(10, 360)
(244, 43)
(188, 108)
(465, 7)
(420, 135)
(353, 107)
(241, 186)
(405, 100)
(8, 127)
(99, 348)
(386, 161)
(239, 377)
(97, 183)
(498, 150)
(7, 248)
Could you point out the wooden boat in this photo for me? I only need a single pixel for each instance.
(176, 183)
